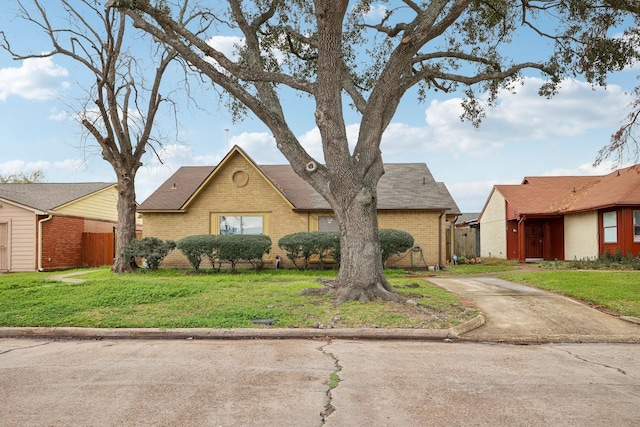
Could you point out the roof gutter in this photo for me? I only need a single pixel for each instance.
(48, 218)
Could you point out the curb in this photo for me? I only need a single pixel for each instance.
(631, 319)
(249, 333)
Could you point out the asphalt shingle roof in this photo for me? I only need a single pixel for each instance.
(564, 194)
(49, 196)
(403, 186)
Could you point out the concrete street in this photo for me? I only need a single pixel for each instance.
(587, 372)
(285, 383)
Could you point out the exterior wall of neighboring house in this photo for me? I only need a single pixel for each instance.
(62, 240)
(18, 227)
(102, 205)
(493, 235)
(627, 231)
(239, 189)
(581, 236)
(92, 226)
(62, 243)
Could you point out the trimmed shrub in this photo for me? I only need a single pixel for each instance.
(152, 249)
(394, 242)
(302, 246)
(196, 247)
(242, 247)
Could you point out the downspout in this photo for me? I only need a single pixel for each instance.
(48, 218)
(440, 239)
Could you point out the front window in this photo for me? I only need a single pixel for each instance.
(636, 226)
(241, 225)
(327, 223)
(610, 227)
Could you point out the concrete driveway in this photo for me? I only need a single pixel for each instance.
(519, 314)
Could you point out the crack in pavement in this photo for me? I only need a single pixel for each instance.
(604, 365)
(21, 348)
(329, 408)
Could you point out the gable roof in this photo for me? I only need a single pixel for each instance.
(49, 196)
(567, 194)
(403, 186)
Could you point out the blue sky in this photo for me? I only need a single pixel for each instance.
(525, 135)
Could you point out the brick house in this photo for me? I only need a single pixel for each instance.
(52, 226)
(240, 196)
(563, 217)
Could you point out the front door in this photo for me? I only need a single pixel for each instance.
(533, 240)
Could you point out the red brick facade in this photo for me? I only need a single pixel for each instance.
(62, 242)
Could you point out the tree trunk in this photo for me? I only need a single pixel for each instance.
(361, 276)
(126, 230)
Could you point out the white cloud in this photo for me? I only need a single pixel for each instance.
(72, 165)
(260, 146)
(12, 166)
(173, 156)
(59, 115)
(523, 115)
(471, 196)
(37, 78)
(603, 168)
(376, 12)
(228, 45)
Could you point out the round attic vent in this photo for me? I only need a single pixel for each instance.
(240, 178)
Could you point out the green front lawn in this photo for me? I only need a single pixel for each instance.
(614, 290)
(180, 299)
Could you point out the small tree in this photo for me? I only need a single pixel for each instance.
(35, 176)
(121, 103)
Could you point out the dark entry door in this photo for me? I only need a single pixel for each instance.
(533, 240)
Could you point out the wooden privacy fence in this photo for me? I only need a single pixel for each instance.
(467, 242)
(97, 249)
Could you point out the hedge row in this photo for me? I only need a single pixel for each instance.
(300, 247)
(216, 248)
(231, 248)
(227, 247)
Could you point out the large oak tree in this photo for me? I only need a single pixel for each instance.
(122, 95)
(337, 53)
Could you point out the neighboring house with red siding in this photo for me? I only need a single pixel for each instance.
(563, 217)
(47, 226)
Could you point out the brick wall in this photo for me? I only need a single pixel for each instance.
(62, 243)
(424, 226)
